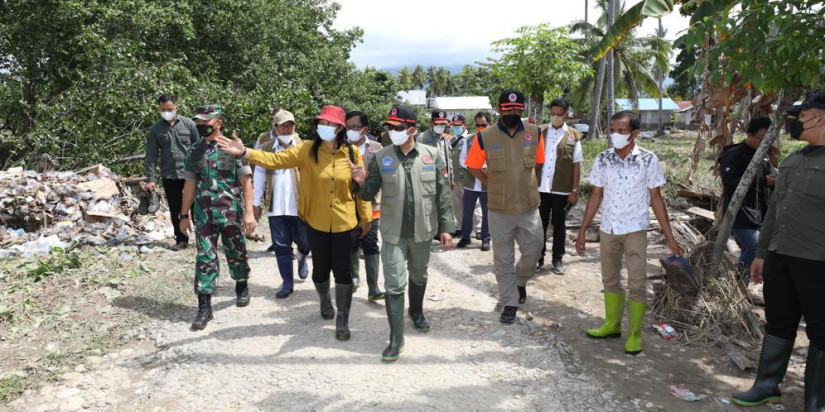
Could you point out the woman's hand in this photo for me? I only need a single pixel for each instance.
(232, 146)
(365, 227)
(358, 173)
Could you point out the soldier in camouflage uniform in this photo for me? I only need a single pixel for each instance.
(215, 180)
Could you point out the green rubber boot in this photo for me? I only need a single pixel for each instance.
(354, 269)
(416, 310)
(635, 316)
(773, 363)
(815, 380)
(395, 316)
(371, 267)
(613, 311)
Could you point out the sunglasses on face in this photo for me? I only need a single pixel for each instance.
(481, 125)
(398, 128)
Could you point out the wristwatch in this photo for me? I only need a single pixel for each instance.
(182, 216)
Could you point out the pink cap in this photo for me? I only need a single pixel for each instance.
(333, 114)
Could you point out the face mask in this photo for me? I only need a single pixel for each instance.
(168, 115)
(285, 138)
(439, 129)
(510, 120)
(327, 133)
(457, 130)
(556, 121)
(480, 128)
(796, 127)
(399, 138)
(205, 130)
(353, 135)
(619, 140)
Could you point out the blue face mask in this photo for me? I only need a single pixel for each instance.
(457, 130)
(327, 133)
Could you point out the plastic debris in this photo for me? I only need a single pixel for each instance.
(665, 330)
(680, 391)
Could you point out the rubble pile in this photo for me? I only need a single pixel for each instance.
(40, 211)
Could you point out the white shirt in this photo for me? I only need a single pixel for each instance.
(548, 171)
(284, 199)
(462, 159)
(627, 183)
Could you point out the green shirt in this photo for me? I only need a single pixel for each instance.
(217, 175)
(795, 222)
(171, 141)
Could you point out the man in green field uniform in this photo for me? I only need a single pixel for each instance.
(215, 180)
(416, 202)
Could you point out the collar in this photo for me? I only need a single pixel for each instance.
(635, 152)
(563, 127)
(400, 152)
(503, 128)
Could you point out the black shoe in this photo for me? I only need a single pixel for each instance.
(478, 236)
(283, 293)
(179, 246)
(343, 299)
(522, 294)
(540, 264)
(416, 311)
(463, 243)
(242, 291)
(437, 237)
(271, 249)
(204, 312)
(509, 314)
(485, 245)
(558, 267)
(773, 363)
(457, 233)
(327, 311)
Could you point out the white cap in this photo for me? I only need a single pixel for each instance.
(282, 117)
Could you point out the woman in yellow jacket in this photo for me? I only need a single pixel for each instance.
(326, 203)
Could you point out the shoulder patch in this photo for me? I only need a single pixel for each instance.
(386, 161)
(371, 150)
(426, 159)
(528, 136)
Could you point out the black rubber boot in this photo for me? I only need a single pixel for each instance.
(773, 363)
(417, 307)
(371, 266)
(343, 299)
(204, 312)
(395, 316)
(522, 294)
(242, 291)
(815, 380)
(327, 311)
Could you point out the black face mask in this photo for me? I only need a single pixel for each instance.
(510, 120)
(796, 128)
(205, 130)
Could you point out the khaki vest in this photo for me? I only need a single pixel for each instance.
(469, 178)
(372, 149)
(512, 187)
(459, 172)
(393, 181)
(563, 176)
(268, 145)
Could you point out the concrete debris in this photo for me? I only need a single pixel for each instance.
(41, 211)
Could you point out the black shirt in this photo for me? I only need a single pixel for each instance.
(733, 163)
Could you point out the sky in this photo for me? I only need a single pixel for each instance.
(457, 32)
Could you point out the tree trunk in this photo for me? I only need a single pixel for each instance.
(595, 105)
(611, 74)
(586, 5)
(748, 178)
(661, 80)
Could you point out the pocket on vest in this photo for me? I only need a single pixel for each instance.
(496, 161)
(529, 155)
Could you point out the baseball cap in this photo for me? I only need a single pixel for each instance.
(511, 99)
(208, 112)
(439, 117)
(401, 114)
(333, 114)
(459, 119)
(282, 116)
(817, 101)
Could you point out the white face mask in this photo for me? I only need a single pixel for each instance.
(168, 115)
(327, 133)
(399, 138)
(619, 140)
(439, 129)
(285, 138)
(353, 135)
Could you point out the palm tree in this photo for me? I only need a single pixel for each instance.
(633, 58)
(419, 77)
(405, 78)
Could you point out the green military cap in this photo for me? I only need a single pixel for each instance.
(208, 112)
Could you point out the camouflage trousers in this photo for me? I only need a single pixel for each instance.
(207, 262)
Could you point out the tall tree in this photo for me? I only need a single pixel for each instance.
(405, 78)
(540, 61)
(687, 79)
(660, 72)
(419, 76)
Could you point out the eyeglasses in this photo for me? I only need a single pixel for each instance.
(398, 128)
(355, 127)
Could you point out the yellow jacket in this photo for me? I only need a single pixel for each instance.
(325, 198)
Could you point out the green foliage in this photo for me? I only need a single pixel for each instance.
(757, 40)
(627, 21)
(55, 262)
(79, 79)
(540, 61)
(686, 79)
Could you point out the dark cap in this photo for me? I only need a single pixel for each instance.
(401, 114)
(208, 112)
(816, 101)
(459, 119)
(511, 99)
(439, 117)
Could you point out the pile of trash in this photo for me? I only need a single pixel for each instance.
(41, 211)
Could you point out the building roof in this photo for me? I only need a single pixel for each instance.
(463, 103)
(684, 105)
(647, 104)
(413, 97)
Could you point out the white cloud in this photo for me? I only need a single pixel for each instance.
(448, 32)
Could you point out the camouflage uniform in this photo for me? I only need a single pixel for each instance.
(218, 209)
